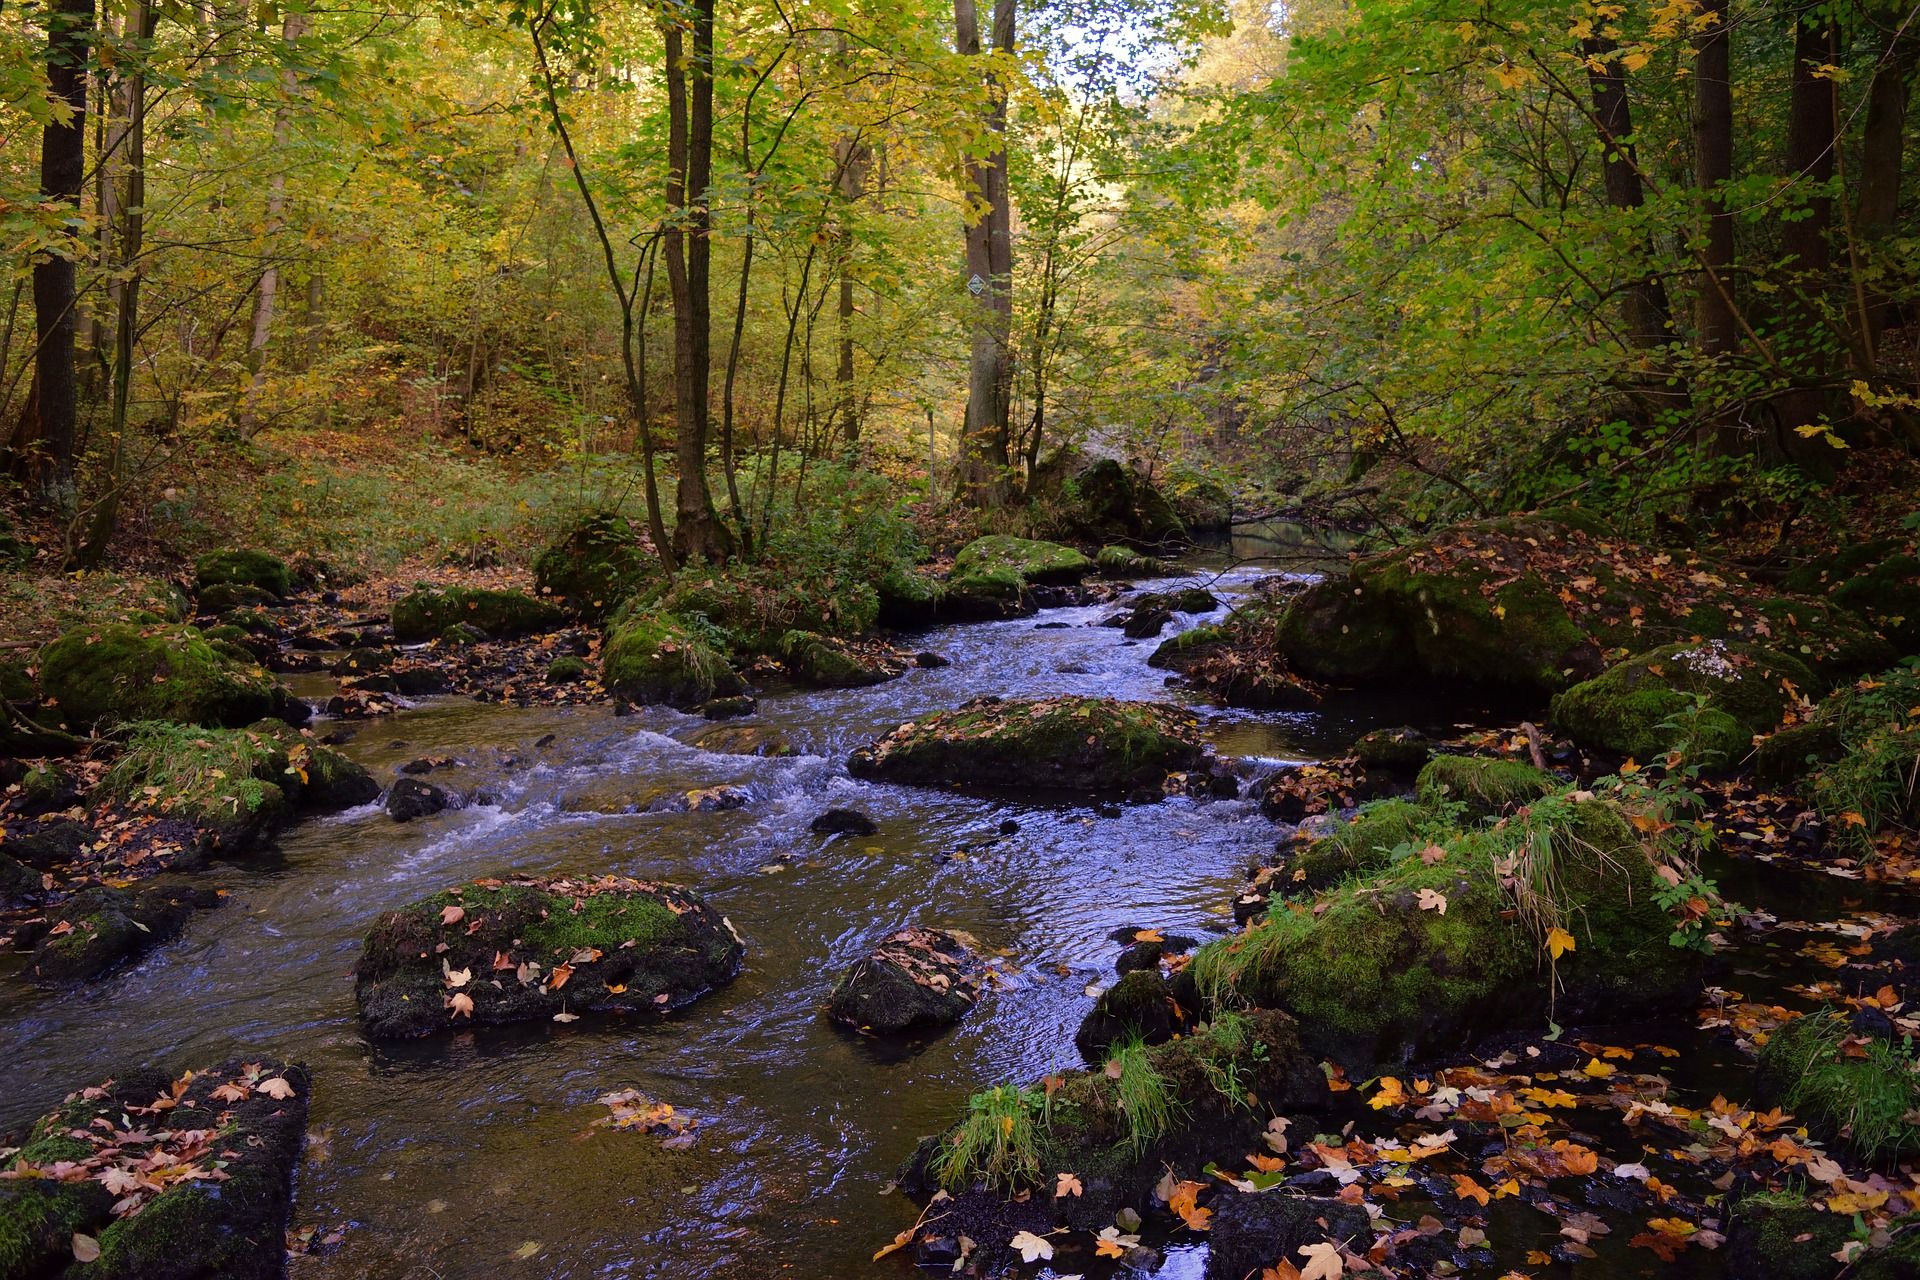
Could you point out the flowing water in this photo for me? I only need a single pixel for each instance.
(475, 1154)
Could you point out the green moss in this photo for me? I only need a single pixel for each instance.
(1142, 1094)
(427, 612)
(1365, 844)
(1483, 785)
(1034, 563)
(1649, 704)
(38, 1219)
(244, 569)
(598, 565)
(663, 658)
(119, 673)
(908, 598)
(566, 669)
(1866, 1101)
(1125, 562)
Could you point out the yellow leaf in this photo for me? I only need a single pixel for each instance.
(1559, 942)
(1597, 1069)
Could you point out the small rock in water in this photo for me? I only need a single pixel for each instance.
(844, 822)
(916, 978)
(410, 798)
(426, 764)
(545, 740)
(1009, 828)
(727, 708)
(929, 659)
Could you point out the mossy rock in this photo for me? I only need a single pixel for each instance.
(751, 607)
(226, 598)
(1217, 1088)
(46, 787)
(986, 595)
(1436, 980)
(1855, 1089)
(1125, 562)
(1140, 1006)
(816, 660)
(1252, 1229)
(916, 979)
(1788, 755)
(1888, 597)
(1395, 751)
(1361, 846)
(746, 740)
(17, 683)
(248, 622)
(1539, 602)
(1646, 706)
(600, 563)
(1485, 786)
(255, 569)
(427, 612)
(1235, 661)
(1066, 744)
(100, 929)
(613, 946)
(194, 1229)
(908, 598)
(1033, 562)
(566, 669)
(106, 675)
(663, 658)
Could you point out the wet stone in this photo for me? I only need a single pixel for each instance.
(844, 822)
(410, 798)
(917, 978)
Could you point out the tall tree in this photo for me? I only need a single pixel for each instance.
(1714, 322)
(43, 439)
(983, 476)
(1645, 310)
(292, 27)
(698, 532)
(1882, 167)
(1812, 119)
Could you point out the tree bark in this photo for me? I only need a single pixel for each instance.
(1646, 312)
(983, 476)
(1811, 120)
(1881, 165)
(852, 157)
(1714, 324)
(43, 440)
(698, 533)
(292, 27)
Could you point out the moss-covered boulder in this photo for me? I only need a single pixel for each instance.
(908, 598)
(1104, 500)
(1878, 579)
(231, 600)
(1036, 563)
(1854, 1086)
(1399, 750)
(1377, 835)
(1789, 1235)
(106, 675)
(535, 950)
(1450, 945)
(1064, 744)
(1705, 699)
(1124, 562)
(658, 657)
(1853, 756)
(917, 979)
(1118, 1129)
(1542, 602)
(817, 660)
(1482, 784)
(598, 564)
(243, 568)
(1140, 1006)
(100, 929)
(746, 740)
(427, 612)
(566, 669)
(169, 1217)
(1235, 662)
(1252, 1230)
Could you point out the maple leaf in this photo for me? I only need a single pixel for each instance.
(1184, 1202)
(452, 914)
(1030, 1247)
(1323, 1261)
(1559, 942)
(230, 1092)
(1430, 900)
(461, 1004)
(278, 1088)
(120, 1181)
(1067, 1185)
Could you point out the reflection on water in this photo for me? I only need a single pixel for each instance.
(473, 1155)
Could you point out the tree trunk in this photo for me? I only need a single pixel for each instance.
(43, 438)
(852, 158)
(1714, 322)
(292, 27)
(1811, 120)
(698, 533)
(1645, 309)
(983, 475)
(1881, 157)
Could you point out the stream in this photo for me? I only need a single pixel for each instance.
(475, 1154)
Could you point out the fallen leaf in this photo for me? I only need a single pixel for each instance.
(1323, 1261)
(1031, 1247)
(277, 1088)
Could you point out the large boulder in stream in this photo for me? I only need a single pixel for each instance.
(1706, 700)
(427, 612)
(993, 576)
(200, 1193)
(1235, 661)
(120, 672)
(826, 663)
(255, 570)
(1448, 939)
(1052, 744)
(659, 657)
(916, 979)
(1541, 602)
(100, 929)
(502, 951)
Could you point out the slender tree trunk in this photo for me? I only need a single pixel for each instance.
(1811, 120)
(698, 532)
(43, 440)
(1646, 312)
(982, 477)
(292, 27)
(1882, 166)
(1717, 331)
(852, 157)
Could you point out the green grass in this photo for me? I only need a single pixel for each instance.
(1871, 1097)
(190, 770)
(997, 1142)
(1141, 1093)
